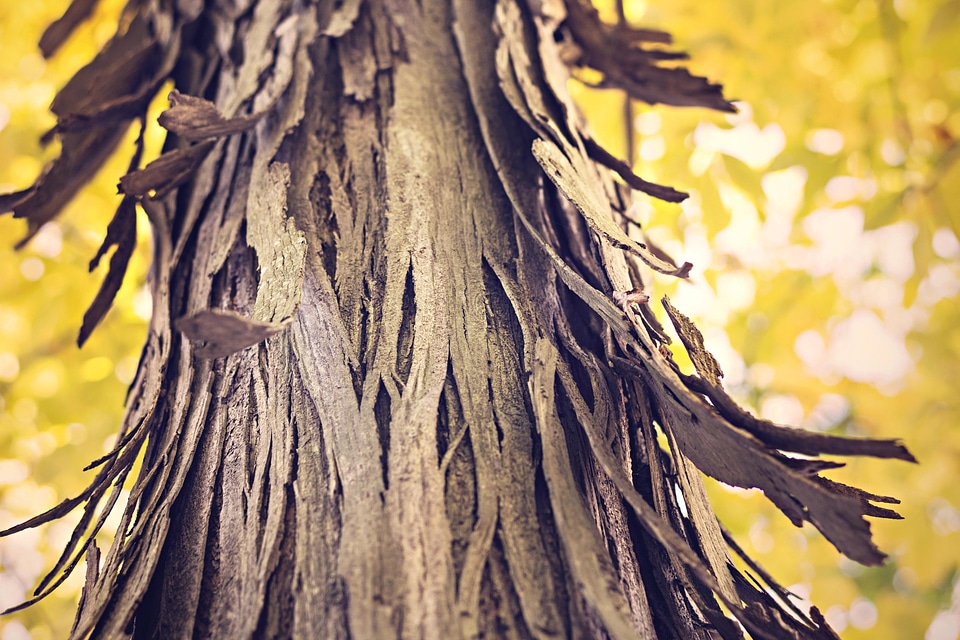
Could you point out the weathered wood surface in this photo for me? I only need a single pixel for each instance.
(402, 378)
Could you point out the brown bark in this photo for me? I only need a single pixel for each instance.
(401, 378)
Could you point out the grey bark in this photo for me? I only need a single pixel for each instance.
(402, 378)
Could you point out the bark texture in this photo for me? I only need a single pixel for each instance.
(402, 378)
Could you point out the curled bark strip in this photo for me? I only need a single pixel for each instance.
(737, 458)
(82, 155)
(703, 361)
(62, 27)
(625, 299)
(604, 157)
(798, 440)
(784, 595)
(10, 201)
(774, 436)
(194, 118)
(127, 63)
(585, 198)
(615, 52)
(224, 332)
(90, 579)
(117, 111)
(167, 172)
(121, 232)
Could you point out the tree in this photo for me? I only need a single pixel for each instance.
(403, 376)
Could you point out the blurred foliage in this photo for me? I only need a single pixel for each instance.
(822, 223)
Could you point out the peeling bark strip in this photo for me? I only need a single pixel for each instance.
(403, 378)
(194, 118)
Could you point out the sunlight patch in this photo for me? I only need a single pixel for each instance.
(864, 349)
(836, 234)
(945, 244)
(746, 142)
(844, 188)
(829, 142)
(781, 408)
(648, 123)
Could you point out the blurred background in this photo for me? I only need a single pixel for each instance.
(823, 225)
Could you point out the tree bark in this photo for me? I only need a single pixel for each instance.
(402, 378)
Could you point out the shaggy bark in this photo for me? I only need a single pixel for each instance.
(402, 378)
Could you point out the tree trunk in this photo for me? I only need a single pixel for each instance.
(402, 379)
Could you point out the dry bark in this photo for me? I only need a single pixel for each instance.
(402, 378)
